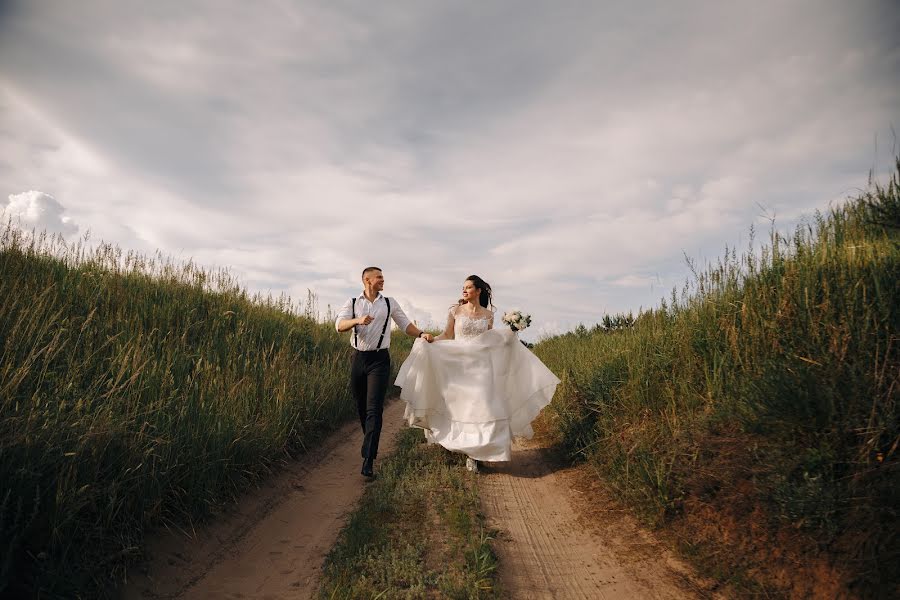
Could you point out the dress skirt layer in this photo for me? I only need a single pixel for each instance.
(474, 395)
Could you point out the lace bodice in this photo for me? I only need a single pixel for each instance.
(466, 327)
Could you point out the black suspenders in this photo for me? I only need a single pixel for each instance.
(353, 312)
(386, 321)
(383, 329)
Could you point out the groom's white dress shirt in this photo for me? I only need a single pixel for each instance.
(368, 335)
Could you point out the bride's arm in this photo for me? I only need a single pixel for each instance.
(448, 329)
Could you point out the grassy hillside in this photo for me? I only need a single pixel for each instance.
(755, 413)
(135, 391)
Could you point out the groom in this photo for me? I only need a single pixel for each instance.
(369, 315)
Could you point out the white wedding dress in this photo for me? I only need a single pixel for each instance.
(474, 393)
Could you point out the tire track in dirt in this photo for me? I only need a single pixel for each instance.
(272, 544)
(547, 549)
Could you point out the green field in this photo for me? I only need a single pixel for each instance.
(757, 407)
(136, 392)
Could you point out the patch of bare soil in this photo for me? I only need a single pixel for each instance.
(273, 542)
(556, 541)
(723, 516)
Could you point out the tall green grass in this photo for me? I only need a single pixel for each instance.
(768, 384)
(417, 533)
(136, 391)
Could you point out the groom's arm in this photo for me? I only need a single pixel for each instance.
(345, 322)
(413, 331)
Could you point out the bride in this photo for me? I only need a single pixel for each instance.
(475, 387)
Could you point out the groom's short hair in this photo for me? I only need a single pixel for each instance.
(369, 270)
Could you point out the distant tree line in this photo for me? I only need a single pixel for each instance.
(608, 324)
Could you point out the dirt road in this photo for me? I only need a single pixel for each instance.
(273, 544)
(551, 546)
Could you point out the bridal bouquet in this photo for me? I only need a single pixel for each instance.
(517, 320)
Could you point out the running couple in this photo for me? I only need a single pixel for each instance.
(471, 391)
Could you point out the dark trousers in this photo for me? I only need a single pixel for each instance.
(368, 382)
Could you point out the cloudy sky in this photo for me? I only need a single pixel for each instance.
(570, 153)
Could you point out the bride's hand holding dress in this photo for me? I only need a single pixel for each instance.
(475, 387)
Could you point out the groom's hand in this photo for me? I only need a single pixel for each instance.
(364, 320)
(428, 337)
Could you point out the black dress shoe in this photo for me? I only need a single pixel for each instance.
(367, 468)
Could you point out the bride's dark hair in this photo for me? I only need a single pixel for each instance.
(486, 296)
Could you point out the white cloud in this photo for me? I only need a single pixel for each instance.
(423, 318)
(38, 211)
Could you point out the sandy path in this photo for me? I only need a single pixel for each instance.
(272, 545)
(549, 548)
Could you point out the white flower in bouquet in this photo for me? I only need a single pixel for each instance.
(517, 320)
